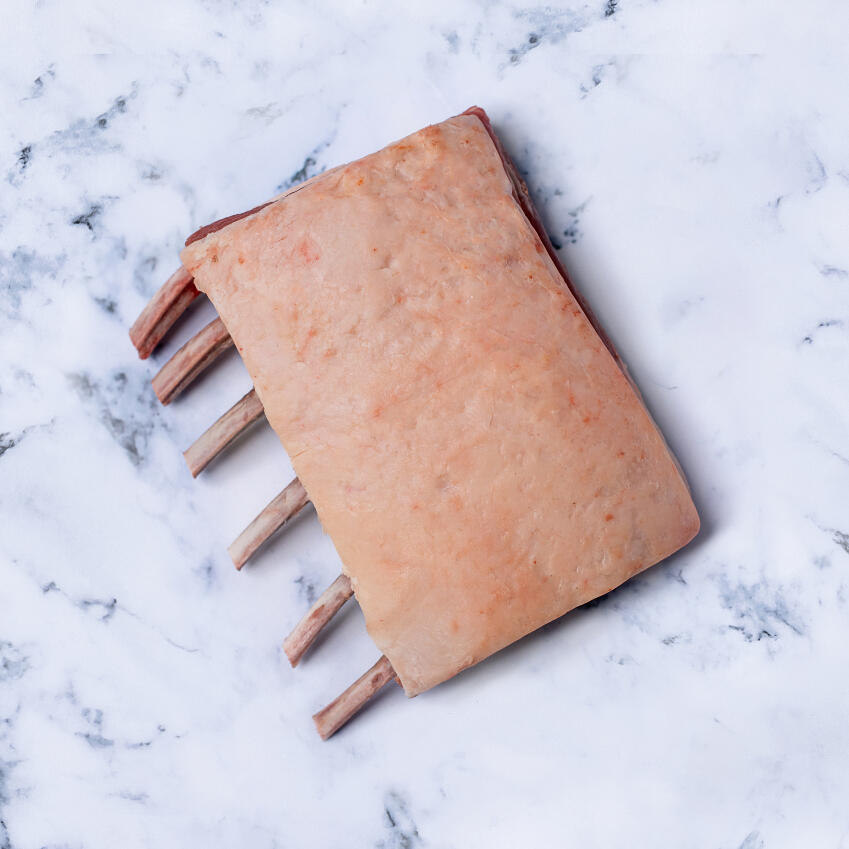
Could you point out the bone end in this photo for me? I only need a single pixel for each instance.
(331, 718)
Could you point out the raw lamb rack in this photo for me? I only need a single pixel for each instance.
(466, 432)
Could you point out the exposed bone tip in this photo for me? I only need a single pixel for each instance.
(143, 350)
(324, 731)
(238, 561)
(223, 432)
(274, 516)
(189, 458)
(193, 358)
(291, 651)
(162, 394)
(331, 718)
(163, 309)
(319, 615)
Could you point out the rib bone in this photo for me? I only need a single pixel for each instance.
(327, 606)
(237, 419)
(198, 353)
(166, 306)
(330, 719)
(281, 509)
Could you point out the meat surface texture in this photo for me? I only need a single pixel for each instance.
(479, 459)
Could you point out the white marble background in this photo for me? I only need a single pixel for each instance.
(692, 161)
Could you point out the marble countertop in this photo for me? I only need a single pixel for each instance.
(691, 163)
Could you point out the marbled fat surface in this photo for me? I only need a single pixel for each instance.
(691, 163)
